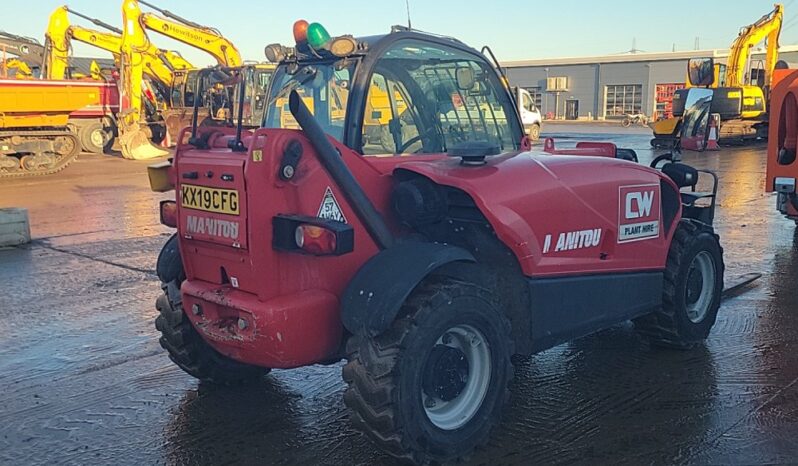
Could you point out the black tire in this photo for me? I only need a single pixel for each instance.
(534, 132)
(694, 250)
(387, 374)
(626, 122)
(190, 352)
(95, 136)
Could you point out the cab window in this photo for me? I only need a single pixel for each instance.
(324, 87)
(427, 98)
(526, 101)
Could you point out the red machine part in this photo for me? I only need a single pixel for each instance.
(783, 128)
(584, 219)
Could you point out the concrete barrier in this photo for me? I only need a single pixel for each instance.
(14, 227)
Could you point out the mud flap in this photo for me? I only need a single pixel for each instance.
(379, 289)
(136, 145)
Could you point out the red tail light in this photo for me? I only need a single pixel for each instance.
(169, 213)
(312, 235)
(314, 239)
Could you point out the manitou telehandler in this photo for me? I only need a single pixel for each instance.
(426, 267)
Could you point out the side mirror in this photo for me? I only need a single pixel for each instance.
(465, 78)
(701, 72)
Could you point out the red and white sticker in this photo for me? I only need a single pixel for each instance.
(638, 213)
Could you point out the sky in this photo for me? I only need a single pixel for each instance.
(515, 30)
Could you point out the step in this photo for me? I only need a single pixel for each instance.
(14, 227)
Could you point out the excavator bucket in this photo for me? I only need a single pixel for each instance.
(136, 145)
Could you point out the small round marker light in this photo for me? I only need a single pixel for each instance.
(343, 46)
(301, 31)
(317, 35)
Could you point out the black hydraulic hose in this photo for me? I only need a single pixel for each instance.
(173, 16)
(96, 21)
(331, 160)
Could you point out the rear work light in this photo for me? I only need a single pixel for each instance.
(169, 213)
(311, 235)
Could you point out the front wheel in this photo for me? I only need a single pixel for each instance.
(534, 132)
(626, 122)
(430, 388)
(691, 291)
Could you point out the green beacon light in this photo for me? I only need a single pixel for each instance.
(318, 37)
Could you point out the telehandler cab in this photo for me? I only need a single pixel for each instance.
(426, 268)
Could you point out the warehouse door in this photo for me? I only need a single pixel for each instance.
(571, 109)
(623, 99)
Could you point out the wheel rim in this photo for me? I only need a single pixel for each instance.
(456, 377)
(98, 137)
(534, 133)
(700, 286)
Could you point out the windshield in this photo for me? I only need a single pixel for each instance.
(324, 87)
(427, 98)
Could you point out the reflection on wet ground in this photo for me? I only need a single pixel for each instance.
(83, 379)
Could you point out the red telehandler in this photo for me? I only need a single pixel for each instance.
(426, 267)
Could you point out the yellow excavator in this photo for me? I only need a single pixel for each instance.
(27, 55)
(741, 94)
(157, 63)
(188, 32)
(21, 70)
(158, 66)
(217, 103)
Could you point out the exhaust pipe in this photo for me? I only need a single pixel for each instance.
(331, 160)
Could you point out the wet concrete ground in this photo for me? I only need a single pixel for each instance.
(84, 381)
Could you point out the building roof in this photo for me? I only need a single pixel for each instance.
(633, 57)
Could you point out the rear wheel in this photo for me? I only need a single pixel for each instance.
(95, 136)
(190, 352)
(691, 291)
(626, 122)
(430, 388)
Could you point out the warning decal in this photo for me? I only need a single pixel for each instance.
(638, 213)
(329, 208)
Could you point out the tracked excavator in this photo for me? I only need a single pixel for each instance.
(741, 94)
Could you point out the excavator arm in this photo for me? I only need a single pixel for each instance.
(157, 64)
(768, 27)
(56, 45)
(187, 32)
(21, 69)
(24, 47)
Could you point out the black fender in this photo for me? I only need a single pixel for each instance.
(378, 290)
(170, 265)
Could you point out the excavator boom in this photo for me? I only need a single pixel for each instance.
(24, 47)
(767, 27)
(192, 34)
(157, 64)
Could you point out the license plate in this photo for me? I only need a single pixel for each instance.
(220, 201)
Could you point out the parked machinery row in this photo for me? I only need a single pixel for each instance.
(47, 121)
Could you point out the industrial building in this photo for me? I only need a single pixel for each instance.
(611, 86)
